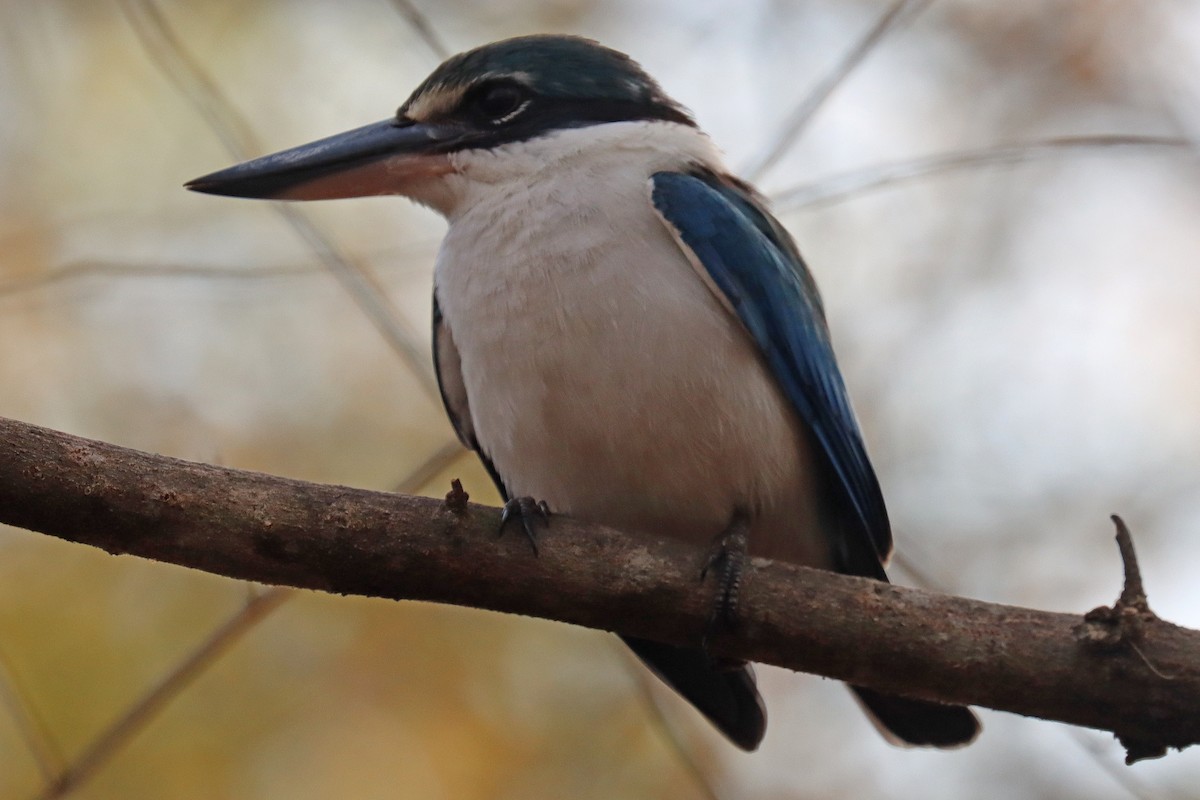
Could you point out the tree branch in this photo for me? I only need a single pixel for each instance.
(1141, 682)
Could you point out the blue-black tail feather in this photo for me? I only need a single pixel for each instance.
(918, 722)
(914, 722)
(728, 698)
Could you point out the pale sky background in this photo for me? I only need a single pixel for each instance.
(1022, 343)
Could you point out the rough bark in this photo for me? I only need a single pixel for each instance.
(1120, 669)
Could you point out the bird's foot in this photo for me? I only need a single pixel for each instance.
(530, 512)
(725, 560)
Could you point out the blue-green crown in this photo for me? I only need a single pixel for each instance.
(568, 69)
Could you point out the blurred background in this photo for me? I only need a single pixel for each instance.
(998, 198)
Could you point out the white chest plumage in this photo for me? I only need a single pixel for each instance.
(601, 373)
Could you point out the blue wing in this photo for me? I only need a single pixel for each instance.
(756, 266)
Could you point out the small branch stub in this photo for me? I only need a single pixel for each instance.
(1122, 628)
(1121, 625)
(457, 497)
(1133, 595)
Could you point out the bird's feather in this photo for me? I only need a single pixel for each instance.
(745, 255)
(751, 261)
(447, 365)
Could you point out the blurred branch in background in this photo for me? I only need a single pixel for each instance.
(107, 269)
(63, 778)
(671, 737)
(822, 191)
(838, 188)
(794, 126)
(420, 23)
(1120, 669)
(141, 713)
(33, 729)
(170, 56)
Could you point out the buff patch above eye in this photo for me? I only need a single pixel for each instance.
(435, 104)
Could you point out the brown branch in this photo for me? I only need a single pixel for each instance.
(332, 538)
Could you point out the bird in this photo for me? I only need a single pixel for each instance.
(623, 332)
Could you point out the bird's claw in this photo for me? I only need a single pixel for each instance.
(725, 559)
(529, 511)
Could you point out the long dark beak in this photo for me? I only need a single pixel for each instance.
(382, 158)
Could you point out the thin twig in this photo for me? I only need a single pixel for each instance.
(420, 24)
(1149, 664)
(113, 269)
(798, 120)
(141, 713)
(1125, 778)
(838, 188)
(168, 54)
(429, 469)
(661, 724)
(92, 267)
(259, 604)
(185, 73)
(32, 728)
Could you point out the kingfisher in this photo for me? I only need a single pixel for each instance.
(623, 332)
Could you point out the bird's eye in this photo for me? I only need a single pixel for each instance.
(500, 102)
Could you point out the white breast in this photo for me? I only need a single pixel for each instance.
(602, 374)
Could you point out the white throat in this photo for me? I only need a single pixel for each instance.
(596, 361)
(593, 159)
